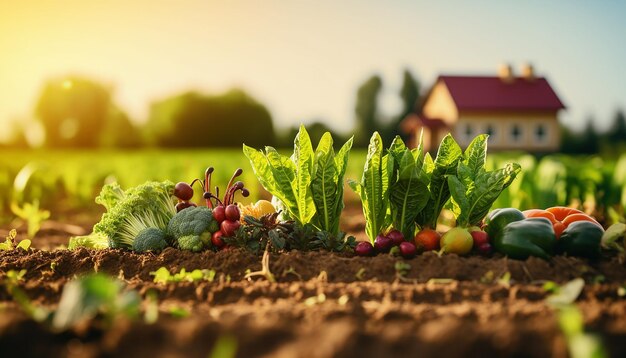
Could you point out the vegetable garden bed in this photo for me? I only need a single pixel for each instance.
(167, 271)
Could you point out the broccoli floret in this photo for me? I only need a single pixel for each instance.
(192, 225)
(147, 205)
(150, 239)
(190, 242)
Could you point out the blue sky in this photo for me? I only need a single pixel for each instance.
(305, 59)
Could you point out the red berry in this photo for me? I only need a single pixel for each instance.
(396, 237)
(364, 248)
(183, 191)
(428, 239)
(232, 212)
(217, 240)
(408, 249)
(382, 243)
(219, 213)
(229, 227)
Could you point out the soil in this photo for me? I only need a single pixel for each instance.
(322, 305)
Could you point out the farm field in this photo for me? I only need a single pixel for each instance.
(322, 304)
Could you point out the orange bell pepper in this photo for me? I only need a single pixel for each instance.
(560, 216)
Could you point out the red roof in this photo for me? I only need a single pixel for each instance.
(492, 93)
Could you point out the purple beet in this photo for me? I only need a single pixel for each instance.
(484, 249)
(382, 243)
(364, 248)
(396, 237)
(408, 249)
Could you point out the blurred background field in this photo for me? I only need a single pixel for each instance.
(66, 182)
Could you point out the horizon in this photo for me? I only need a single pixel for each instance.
(304, 61)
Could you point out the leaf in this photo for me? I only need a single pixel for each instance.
(476, 155)
(303, 159)
(488, 187)
(408, 195)
(260, 167)
(611, 236)
(568, 293)
(458, 193)
(24, 244)
(371, 188)
(448, 156)
(323, 185)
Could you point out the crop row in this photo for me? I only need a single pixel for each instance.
(61, 181)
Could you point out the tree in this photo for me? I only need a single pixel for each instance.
(590, 138)
(617, 133)
(409, 93)
(196, 120)
(73, 111)
(366, 110)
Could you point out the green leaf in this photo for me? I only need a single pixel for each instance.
(489, 186)
(303, 157)
(476, 155)
(371, 189)
(323, 185)
(260, 167)
(459, 197)
(408, 195)
(448, 156)
(568, 293)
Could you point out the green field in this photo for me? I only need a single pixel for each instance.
(63, 181)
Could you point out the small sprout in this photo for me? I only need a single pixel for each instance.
(225, 347)
(343, 300)
(178, 312)
(567, 293)
(505, 279)
(621, 291)
(488, 277)
(359, 274)
(151, 315)
(440, 281)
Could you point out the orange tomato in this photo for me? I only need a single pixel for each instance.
(560, 216)
(538, 213)
(561, 212)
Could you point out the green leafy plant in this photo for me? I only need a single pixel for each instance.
(474, 189)
(163, 275)
(373, 188)
(32, 215)
(95, 295)
(309, 184)
(10, 242)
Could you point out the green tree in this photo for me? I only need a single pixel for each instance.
(366, 110)
(73, 111)
(196, 120)
(409, 93)
(590, 138)
(617, 133)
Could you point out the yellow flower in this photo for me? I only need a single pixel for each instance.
(260, 208)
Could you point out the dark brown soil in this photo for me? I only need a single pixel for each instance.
(323, 305)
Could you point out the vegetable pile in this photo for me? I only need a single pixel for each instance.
(403, 192)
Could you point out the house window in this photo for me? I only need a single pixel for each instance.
(541, 133)
(516, 133)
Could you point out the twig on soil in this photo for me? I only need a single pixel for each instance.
(292, 271)
(265, 267)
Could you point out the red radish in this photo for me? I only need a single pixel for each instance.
(407, 249)
(396, 237)
(228, 227)
(428, 239)
(382, 243)
(479, 237)
(364, 248)
(232, 212)
(183, 191)
(217, 240)
(219, 213)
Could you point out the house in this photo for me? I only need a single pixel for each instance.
(518, 112)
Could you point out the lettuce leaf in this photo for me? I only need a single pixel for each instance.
(473, 189)
(309, 184)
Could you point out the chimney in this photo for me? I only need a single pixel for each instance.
(505, 72)
(528, 72)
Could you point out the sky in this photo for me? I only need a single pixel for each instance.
(305, 59)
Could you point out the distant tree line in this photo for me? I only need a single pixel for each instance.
(77, 112)
(590, 141)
